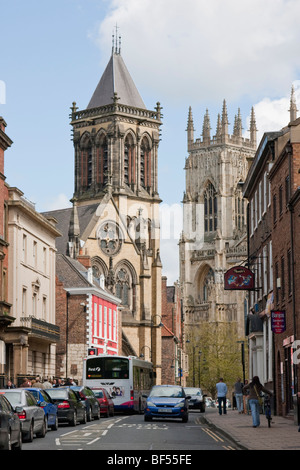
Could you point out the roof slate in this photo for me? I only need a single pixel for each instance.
(116, 79)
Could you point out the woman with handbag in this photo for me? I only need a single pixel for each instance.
(255, 388)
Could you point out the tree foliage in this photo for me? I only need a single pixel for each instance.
(220, 355)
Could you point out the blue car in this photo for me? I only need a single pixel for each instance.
(167, 401)
(45, 402)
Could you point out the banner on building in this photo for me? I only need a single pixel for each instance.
(278, 321)
(239, 278)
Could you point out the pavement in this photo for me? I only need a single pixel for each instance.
(282, 435)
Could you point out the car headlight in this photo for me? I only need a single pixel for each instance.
(149, 403)
(179, 405)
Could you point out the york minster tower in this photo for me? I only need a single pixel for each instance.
(214, 236)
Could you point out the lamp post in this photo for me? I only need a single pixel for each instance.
(67, 331)
(194, 349)
(153, 325)
(142, 355)
(243, 358)
(200, 352)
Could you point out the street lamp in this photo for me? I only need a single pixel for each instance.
(153, 325)
(242, 342)
(141, 353)
(194, 349)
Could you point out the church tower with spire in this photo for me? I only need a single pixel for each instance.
(115, 214)
(214, 236)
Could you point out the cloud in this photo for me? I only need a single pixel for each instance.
(203, 49)
(273, 115)
(61, 201)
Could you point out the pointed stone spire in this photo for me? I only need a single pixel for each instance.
(293, 106)
(238, 125)
(190, 128)
(219, 127)
(225, 122)
(253, 129)
(206, 128)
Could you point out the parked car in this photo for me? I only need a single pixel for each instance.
(32, 416)
(90, 401)
(167, 401)
(106, 403)
(197, 400)
(70, 408)
(50, 409)
(10, 426)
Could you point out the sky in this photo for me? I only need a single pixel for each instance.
(193, 53)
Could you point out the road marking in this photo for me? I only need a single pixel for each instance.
(213, 435)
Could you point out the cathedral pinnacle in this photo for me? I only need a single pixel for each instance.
(293, 106)
(253, 129)
(224, 119)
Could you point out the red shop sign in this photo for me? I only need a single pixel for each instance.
(278, 321)
(239, 278)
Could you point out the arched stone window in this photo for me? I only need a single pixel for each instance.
(240, 220)
(210, 209)
(86, 162)
(101, 160)
(145, 164)
(129, 160)
(125, 286)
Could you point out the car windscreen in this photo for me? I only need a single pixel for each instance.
(107, 368)
(193, 391)
(14, 398)
(172, 392)
(57, 393)
(98, 393)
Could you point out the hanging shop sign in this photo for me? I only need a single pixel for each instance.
(239, 278)
(278, 321)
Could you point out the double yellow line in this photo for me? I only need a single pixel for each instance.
(216, 438)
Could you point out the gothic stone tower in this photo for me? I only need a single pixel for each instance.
(115, 216)
(214, 234)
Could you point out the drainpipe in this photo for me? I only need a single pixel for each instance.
(291, 209)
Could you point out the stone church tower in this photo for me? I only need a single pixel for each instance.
(214, 236)
(115, 214)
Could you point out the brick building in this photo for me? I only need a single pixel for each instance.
(285, 182)
(5, 318)
(272, 189)
(174, 358)
(87, 315)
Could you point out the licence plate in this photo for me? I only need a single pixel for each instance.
(164, 410)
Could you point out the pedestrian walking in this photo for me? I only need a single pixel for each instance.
(238, 392)
(221, 395)
(255, 388)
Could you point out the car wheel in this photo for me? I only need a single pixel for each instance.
(89, 414)
(28, 436)
(84, 419)
(73, 420)
(97, 416)
(147, 418)
(18, 445)
(42, 432)
(54, 426)
(7, 444)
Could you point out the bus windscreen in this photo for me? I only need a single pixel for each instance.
(107, 368)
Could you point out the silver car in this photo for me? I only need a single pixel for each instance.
(32, 417)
